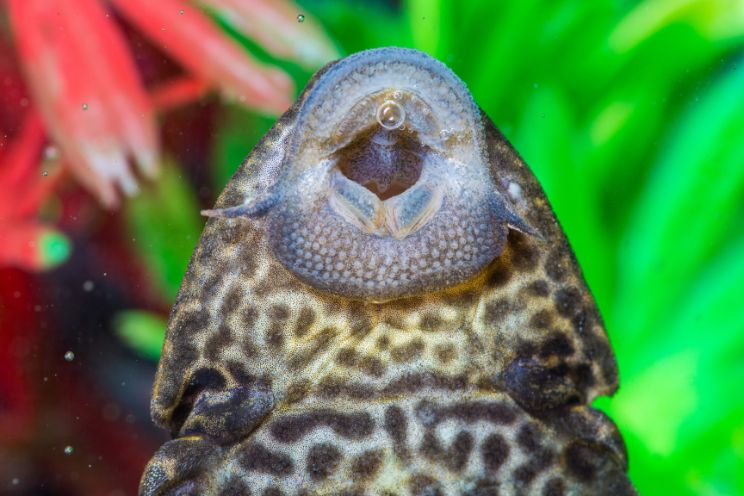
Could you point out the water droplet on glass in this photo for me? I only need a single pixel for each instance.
(390, 115)
(45, 173)
(68, 450)
(88, 286)
(300, 18)
(69, 356)
(85, 106)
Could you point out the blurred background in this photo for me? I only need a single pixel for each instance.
(120, 119)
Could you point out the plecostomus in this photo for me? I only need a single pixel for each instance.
(384, 303)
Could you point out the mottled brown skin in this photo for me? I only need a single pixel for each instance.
(271, 386)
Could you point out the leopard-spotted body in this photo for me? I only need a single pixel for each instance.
(271, 385)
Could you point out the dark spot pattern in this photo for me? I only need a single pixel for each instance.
(543, 319)
(334, 387)
(494, 451)
(408, 352)
(496, 412)
(554, 487)
(217, 342)
(322, 461)
(247, 262)
(425, 485)
(396, 425)
(256, 457)
(445, 353)
(239, 373)
(292, 428)
(484, 487)
(582, 462)
(568, 301)
(232, 300)
(555, 266)
(597, 345)
(383, 342)
(538, 461)
(372, 366)
(454, 457)
(366, 465)
(275, 335)
(248, 316)
(556, 345)
(278, 312)
(495, 311)
(525, 255)
(528, 438)
(411, 383)
(500, 274)
(539, 288)
(297, 391)
(431, 322)
(305, 321)
(235, 486)
(346, 357)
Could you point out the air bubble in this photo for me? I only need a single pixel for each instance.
(51, 152)
(69, 356)
(85, 106)
(300, 18)
(390, 115)
(69, 450)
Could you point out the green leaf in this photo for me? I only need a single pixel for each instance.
(688, 207)
(655, 414)
(426, 24)
(239, 133)
(142, 331)
(361, 25)
(165, 224)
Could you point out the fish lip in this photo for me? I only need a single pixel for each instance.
(420, 119)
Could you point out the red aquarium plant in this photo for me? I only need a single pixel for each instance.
(85, 84)
(88, 96)
(27, 242)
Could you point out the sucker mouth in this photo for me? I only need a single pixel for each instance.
(386, 162)
(382, 176)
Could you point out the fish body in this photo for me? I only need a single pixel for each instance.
(383, 302)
